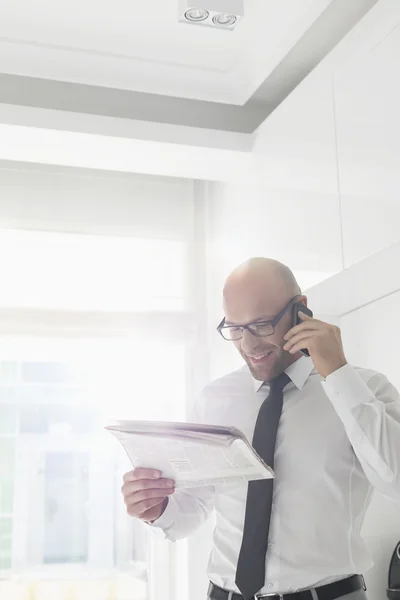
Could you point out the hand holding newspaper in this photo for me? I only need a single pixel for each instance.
(192, 455)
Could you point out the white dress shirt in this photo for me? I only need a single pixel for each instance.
(337, 439)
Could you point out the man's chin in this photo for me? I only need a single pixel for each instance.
(263, 371)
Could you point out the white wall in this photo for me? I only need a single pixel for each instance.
(370, 337)
(367, 95)
(330, 192)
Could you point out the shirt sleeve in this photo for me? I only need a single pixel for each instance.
(369, 408)
(186, 509)
(185, 512)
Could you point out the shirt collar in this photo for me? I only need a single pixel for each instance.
(298, 372)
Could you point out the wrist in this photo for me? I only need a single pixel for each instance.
(163, 508)
(330, 369)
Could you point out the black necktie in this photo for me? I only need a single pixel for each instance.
(250, 573)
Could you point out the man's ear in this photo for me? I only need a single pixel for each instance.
(303, 300)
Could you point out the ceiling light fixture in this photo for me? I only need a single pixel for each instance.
(197, 15)
(217, 14)
(224, 20)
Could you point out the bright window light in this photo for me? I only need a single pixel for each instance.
(63, 524)
(46, 270)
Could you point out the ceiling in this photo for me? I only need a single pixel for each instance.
(135, 60)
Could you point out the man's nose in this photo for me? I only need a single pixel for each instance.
(249, 342)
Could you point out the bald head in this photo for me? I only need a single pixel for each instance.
(264, 273)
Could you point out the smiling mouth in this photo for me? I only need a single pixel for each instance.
(260, 358)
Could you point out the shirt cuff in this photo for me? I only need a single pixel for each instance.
(168, 517)
(346, 388)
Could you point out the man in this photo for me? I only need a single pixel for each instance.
(337, 431)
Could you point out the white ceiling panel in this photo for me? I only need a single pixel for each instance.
(141, 46)
(135, 61)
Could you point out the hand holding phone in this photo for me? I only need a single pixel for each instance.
(299, 307)
(323, 338)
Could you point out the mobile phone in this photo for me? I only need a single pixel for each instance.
(298, 307)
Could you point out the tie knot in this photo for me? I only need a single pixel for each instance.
(280, 382)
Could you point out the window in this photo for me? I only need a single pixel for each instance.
(62, 519)
(88, 272)
(111, 342)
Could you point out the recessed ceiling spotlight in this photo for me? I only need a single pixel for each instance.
(197, 15)
(216, 14)
(224, 20)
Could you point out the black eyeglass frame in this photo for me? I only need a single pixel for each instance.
(273, 322)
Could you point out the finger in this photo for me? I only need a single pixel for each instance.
(140, 509)
(131, 487)
(300, 336)
(303, 345)
(312, 325)
(305, 317)
(128, 489)
(142, 495)
(141, 473)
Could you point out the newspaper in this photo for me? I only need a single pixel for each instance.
(192, 455)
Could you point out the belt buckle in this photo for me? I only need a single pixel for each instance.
(363, 583)
(280, 596)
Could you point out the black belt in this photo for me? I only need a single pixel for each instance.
(330, 591)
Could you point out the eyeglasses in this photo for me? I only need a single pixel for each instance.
(234, 333)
